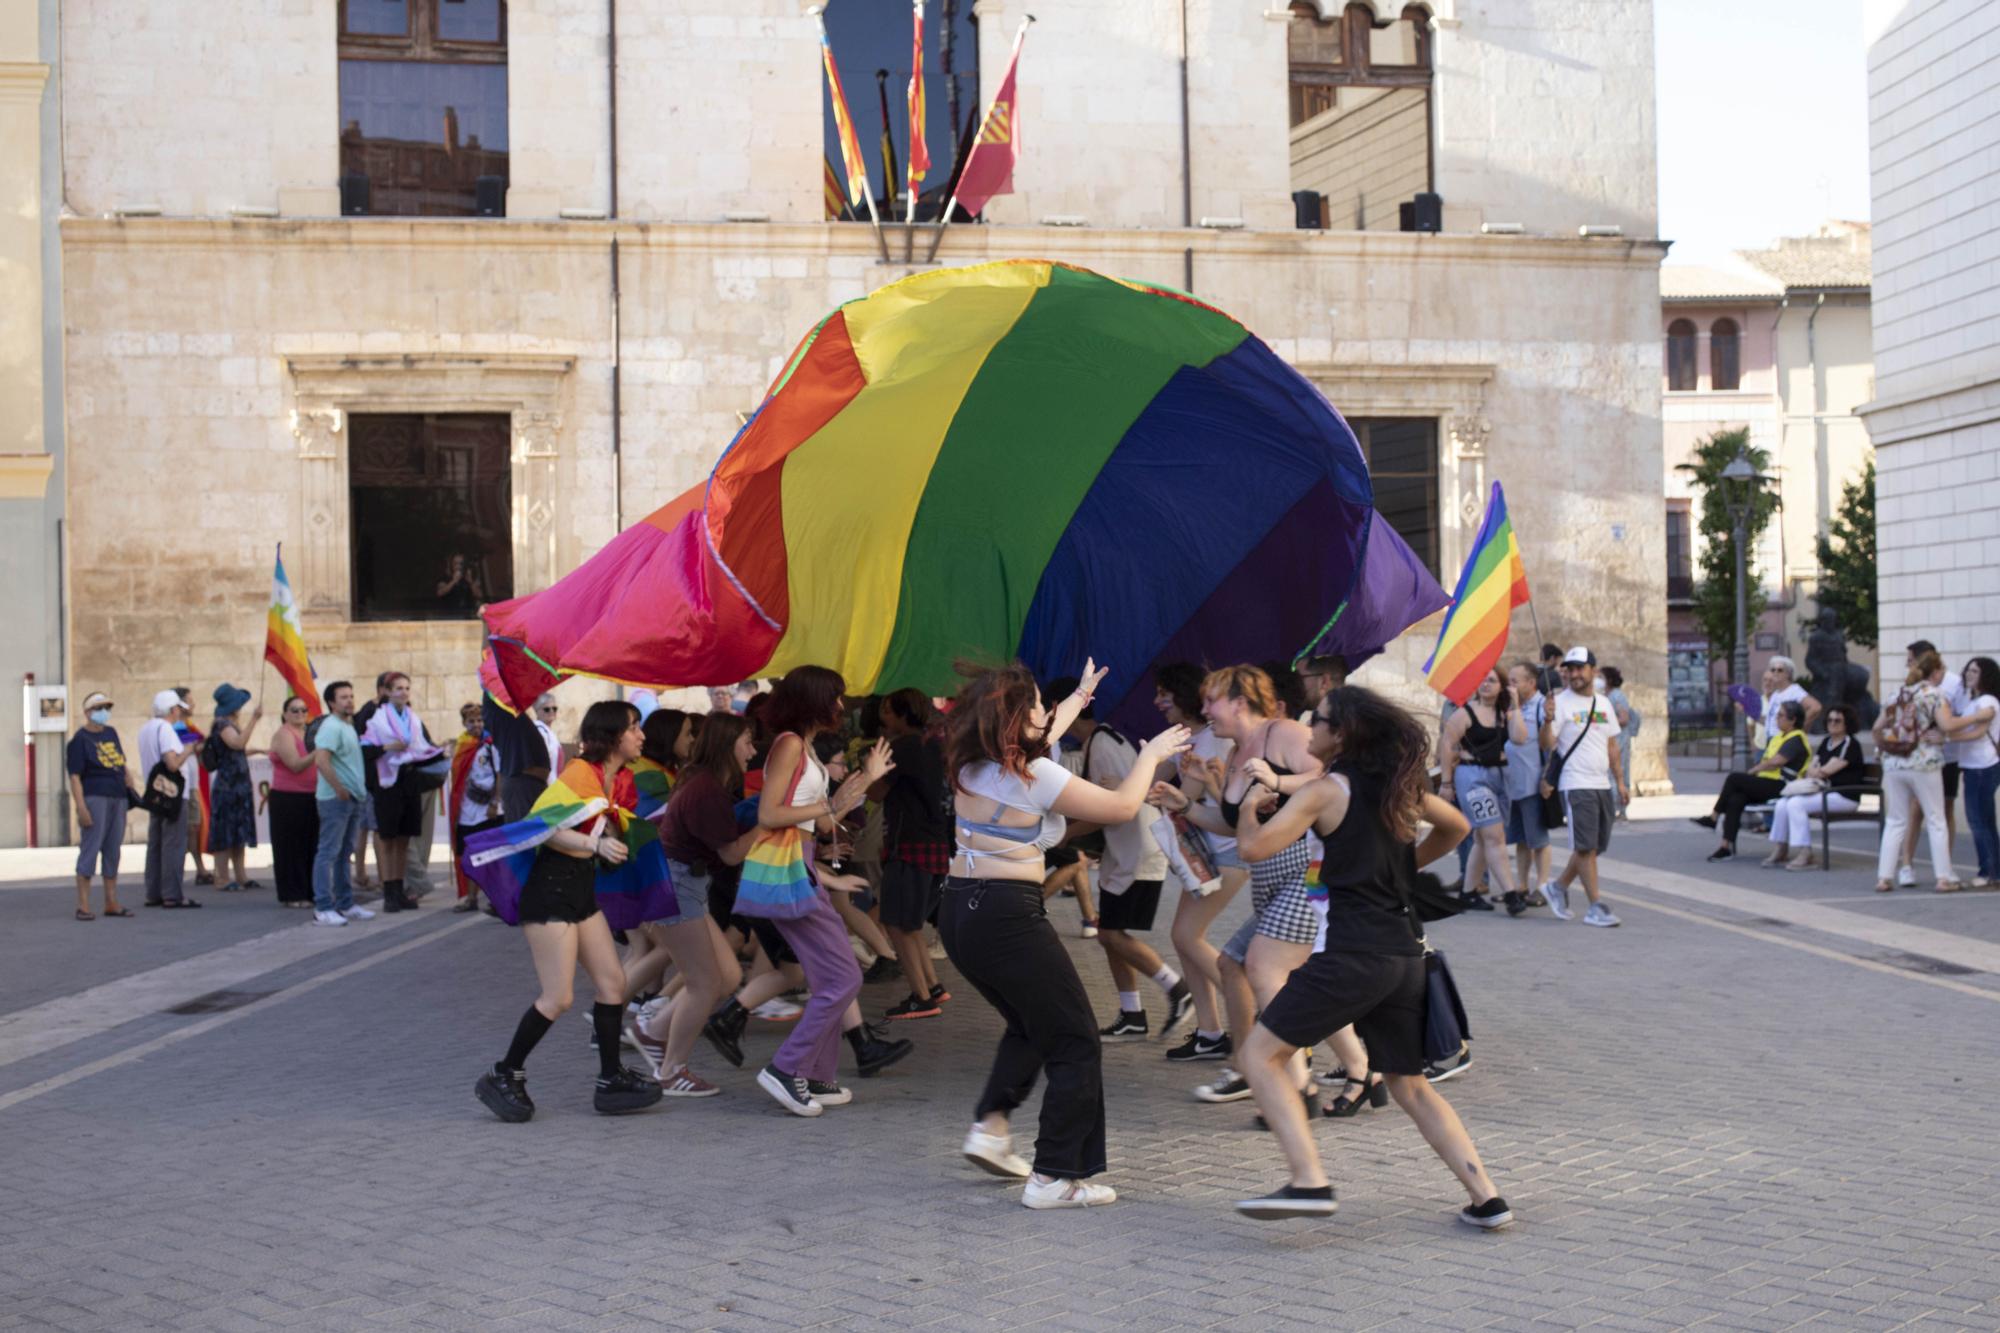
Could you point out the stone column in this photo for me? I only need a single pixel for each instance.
(536, 450)
(324, 568)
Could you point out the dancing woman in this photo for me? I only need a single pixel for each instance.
(558, 913)
(1010, 800)
(1371, 975)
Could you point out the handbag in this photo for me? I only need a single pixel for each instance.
(1554, 813)
(164, 792)
(1446, 1028)
(1804, 787)
(777, 884)
(427, 775)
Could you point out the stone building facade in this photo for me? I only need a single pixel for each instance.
(1934, 165)
(228, 333)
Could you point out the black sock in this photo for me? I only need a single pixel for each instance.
(606, 1018)
(530, 1030)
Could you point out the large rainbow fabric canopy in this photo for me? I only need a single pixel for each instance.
(1013, 459)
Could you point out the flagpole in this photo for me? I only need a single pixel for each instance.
(867, 191)
(937, 237)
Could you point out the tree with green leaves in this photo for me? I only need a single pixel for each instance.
(1847, 560)
(1715, 586)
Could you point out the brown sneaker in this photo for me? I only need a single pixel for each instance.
(684, 1082)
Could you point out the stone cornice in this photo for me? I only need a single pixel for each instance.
(25, 476)
(22, 81)
(962, 244)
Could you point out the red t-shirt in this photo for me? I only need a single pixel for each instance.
(700, 820)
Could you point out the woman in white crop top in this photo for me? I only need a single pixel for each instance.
(1008, 796)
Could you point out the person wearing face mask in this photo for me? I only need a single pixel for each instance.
(162, 751)
(101, 790)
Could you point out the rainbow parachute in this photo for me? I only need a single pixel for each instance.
(1013, 459)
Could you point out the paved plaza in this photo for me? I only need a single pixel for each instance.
(1763, 1103)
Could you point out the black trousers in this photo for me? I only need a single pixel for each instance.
(998, 935)
(294, 838)
(1740, 790)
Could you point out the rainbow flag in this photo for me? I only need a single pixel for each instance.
(1490, 586)
(285, 640)
(920, 153)
(654, 785)
(850, 146)
(500, 860)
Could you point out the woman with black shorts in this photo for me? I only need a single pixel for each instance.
(559, 915)
(1372, 974)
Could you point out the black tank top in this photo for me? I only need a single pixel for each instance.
(1363, 865)
(1484, 747)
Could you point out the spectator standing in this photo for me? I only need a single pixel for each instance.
(519, 756)
(294, 807)
(101, 790)
(197, 787)
(368, 831)
(474, 795)
(1629, 722)
(1580, 727)
(161, 746)
(232, 811)
(402, 740)
(1979, 762)
(340, 791)
(546, 712)
(1910, 734)
(1526, 833)
(1952, 687)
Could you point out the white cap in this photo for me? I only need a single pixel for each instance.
(166, 701)
(1579, 656)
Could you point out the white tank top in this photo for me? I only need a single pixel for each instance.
(812, 787)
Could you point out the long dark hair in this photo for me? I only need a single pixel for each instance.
(715, 750)
(806, 700)
(1382, 743)
(1181, 681)
(1501, 701)
(1989, 675)
(604, 725)
(663, 729)
(988, 722)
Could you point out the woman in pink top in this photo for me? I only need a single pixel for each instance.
(294, 811)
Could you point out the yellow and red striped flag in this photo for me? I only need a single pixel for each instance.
(285, 640)
(836, 199)
(920, 153)
(850, 146)
(1492, 584)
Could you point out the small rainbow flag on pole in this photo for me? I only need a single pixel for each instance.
(285, 640)
(1491, 585)
(640, 889)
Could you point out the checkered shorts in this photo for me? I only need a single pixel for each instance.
(1278, 895)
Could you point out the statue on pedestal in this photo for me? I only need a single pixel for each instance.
(1835, 680)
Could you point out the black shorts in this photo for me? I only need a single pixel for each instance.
(1381, 994)
(767, 935)
(1951, 772)
(399, 810)
(560, 888)
(909, 895)
(1061, 856)
(1130, 910)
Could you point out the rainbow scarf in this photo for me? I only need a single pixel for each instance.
(654, 785)
(500, 860)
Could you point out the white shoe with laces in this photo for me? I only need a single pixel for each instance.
(330, 918)
(358, 914)
(1599, 915)
(995, 1153)
(1055, 1192)
(1558, 898)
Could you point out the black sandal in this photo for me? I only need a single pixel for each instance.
(1374, 1093)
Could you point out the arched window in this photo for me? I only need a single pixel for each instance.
(1680, 355)
(1725, 356)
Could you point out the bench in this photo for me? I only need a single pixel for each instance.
(1876, 812)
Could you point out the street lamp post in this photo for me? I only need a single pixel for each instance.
(1741, 486)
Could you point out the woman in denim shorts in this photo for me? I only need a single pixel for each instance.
(1474, 778)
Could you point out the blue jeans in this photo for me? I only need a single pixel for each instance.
(338, 820)
(1980, 786)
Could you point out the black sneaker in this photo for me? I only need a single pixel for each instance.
(724, 1041)
(1309, 1095)
(1723, 853)
(1488, 1216)
(625, 1092)
(828, 1094)
(1292, 1201)
(1476, 902)
(1126, 1027)
(877, 1052)
(912, 1007)
(1517, 902)
(1180, 1007)
(1438, 1071)
(939, 994)
(787, 1091)
(1229, 1086)
(882, 969)
(1706, 821)
(504, 1092)
(1199, 1047)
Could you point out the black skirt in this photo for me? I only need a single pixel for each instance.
(560, 888)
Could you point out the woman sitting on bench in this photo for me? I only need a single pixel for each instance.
(1838, 765)
(1785, 757)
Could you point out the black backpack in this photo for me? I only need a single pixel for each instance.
(212, 750)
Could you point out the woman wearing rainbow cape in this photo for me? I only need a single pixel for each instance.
(581, 865)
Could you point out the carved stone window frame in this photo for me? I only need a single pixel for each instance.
(1454, 395)
(535, 392)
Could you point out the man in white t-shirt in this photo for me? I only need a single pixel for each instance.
(167, 839)
(1582, 730)
(1129, 878)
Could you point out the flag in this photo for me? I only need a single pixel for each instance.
(920, 153)
(1490, 586)
(990, 169)
(850, 146)
(285, 640)
(888, 140)
(640, 889)
(836, 198)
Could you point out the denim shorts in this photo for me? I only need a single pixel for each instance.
(1524, 822)
(1482, 794)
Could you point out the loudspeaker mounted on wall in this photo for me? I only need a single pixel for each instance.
(1423, 213)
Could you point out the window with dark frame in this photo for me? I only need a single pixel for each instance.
(1725, 356)
(1680, 552)
(1360, 115)
(1680, 355)
(430, 500)
(423, 108)
(1402, 457)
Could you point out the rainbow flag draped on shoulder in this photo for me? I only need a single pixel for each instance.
(500, 860)
(1491, 585)
(654, 785)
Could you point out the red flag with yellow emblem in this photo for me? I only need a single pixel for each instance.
(990, 168)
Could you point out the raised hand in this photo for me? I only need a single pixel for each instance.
(1174, 740)
(1093, 675)
(877, 764)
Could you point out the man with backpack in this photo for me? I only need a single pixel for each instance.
(1580, 731)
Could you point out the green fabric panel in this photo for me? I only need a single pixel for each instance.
(1047, 409)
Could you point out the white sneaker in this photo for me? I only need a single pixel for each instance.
(995, 1153)
(330, 918)
(358, 914)
(936, 949)
(1906, 877)
(1599, 915)
(1059, 1193)
(1558, 898)
(1089, 932)
(777, 1011)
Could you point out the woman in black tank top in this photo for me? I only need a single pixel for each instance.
(1367, 810)
(1472, 753)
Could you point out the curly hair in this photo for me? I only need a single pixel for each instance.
(1251, 684)
(1380, 741)
(1181, 682)
(988, 721)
